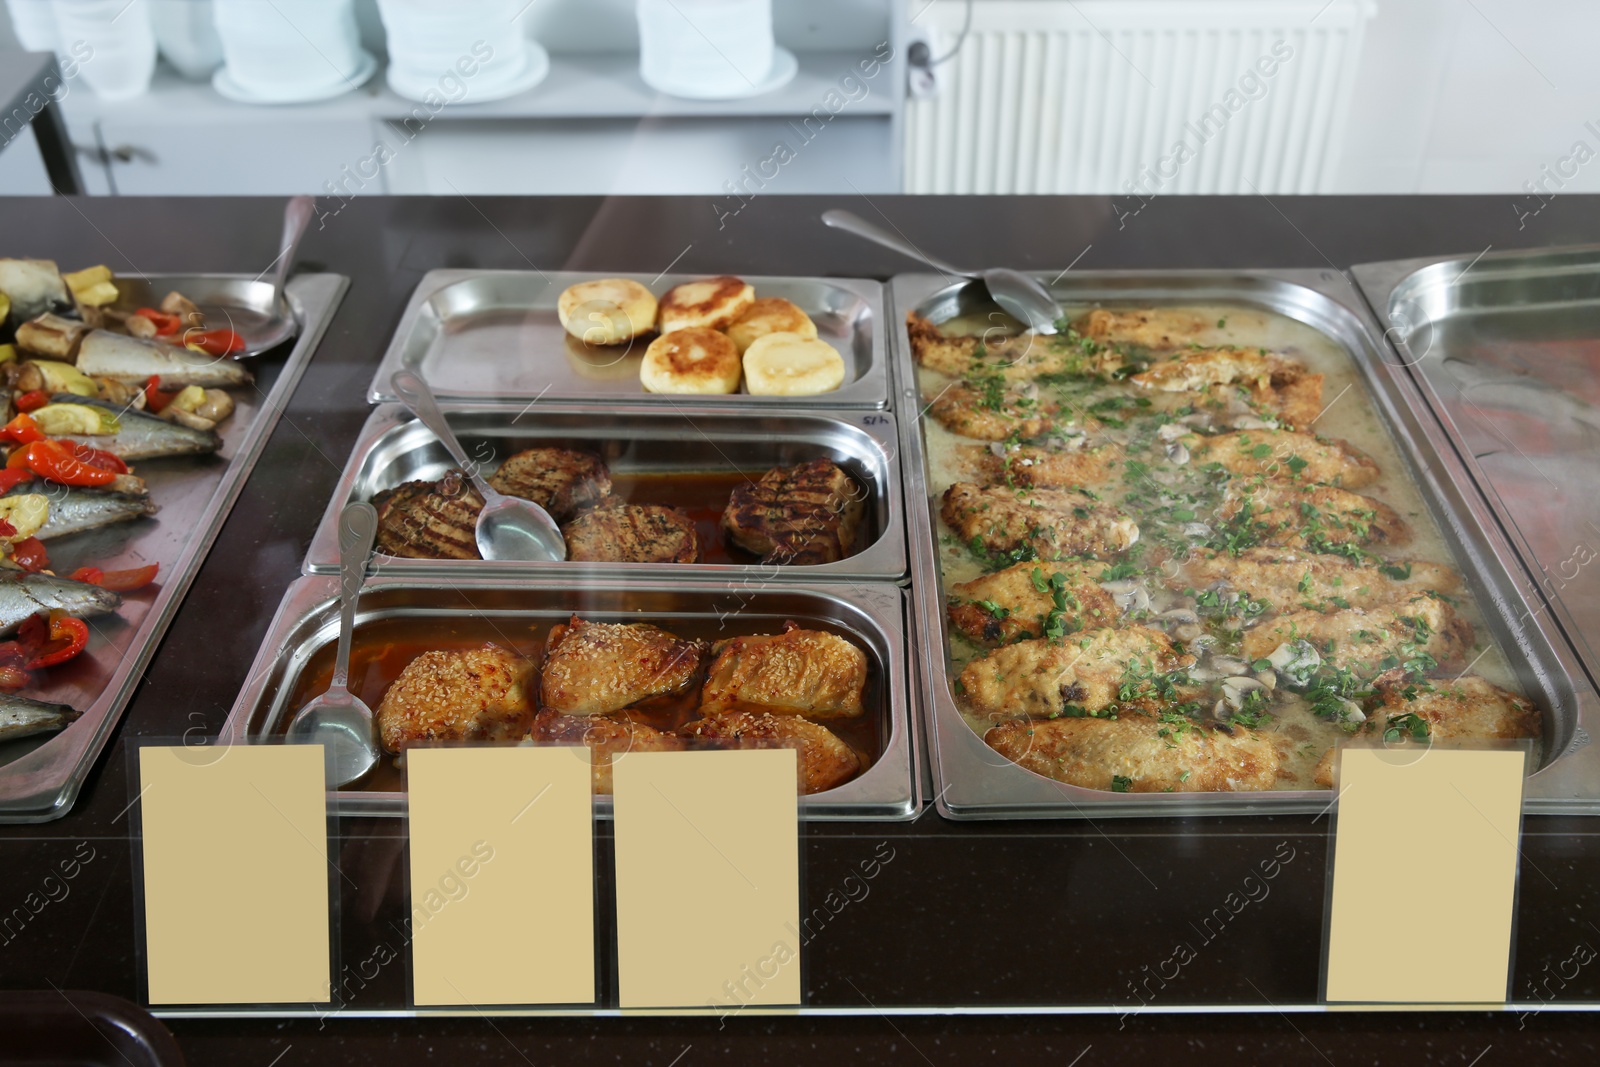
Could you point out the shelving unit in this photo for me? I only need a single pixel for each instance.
(591, 126)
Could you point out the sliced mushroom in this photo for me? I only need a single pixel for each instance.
(1234, 690)
(1297, 661)
(1199, 531)
(1182, 623)
(1171, 431)
(1130, 594)
(1177, 453)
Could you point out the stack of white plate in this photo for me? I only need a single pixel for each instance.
(711, 49)
(461, 53)
(289, 51)
(123, 56)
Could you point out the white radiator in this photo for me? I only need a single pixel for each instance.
(1124, 96)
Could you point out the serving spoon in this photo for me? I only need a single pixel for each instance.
(338, 719)
(1021, 296)
(508, 527)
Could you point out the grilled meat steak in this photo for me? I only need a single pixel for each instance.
(429, 520)
(616, 532)
(560, 480)
(803, 515)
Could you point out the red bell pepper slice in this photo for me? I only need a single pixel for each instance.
(10, 478)
(32, 400)
(154, 399)
(59, 461)
(29, 554)
(88, 575)
(13, 678)
(65, 638)
(126, 581)
(165, 324)
(220, 342)
(22, 430)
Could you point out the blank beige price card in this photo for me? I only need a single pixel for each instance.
(235, 855)
(708, 879)
(1424, 875)
(502, 876)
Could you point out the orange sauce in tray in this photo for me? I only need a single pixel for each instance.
(383, 647)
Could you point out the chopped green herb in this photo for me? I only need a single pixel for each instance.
(1119, 784)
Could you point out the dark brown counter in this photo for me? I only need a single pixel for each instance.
(988, 916)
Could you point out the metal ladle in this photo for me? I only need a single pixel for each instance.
(338, 719)
(508, 527)
(1019, 295)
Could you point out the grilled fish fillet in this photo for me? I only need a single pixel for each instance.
(824, 760)
(1292, 515)
(1052, 523)
(1155, 328)
(24, 595)
(476, 694)
(1285, 454)
(595, 668)
(797, 672)
(429, 520)
(632, 533)
(560, 480)
(1042, 679)
(806, 514)
(1132, 754)
(1200, 368)
(1017, 603)
(1012, 357)
(1371, 640)
(1288, 578)
(1031, 466)
(608, 739)
(990, 412)
(1468, 707)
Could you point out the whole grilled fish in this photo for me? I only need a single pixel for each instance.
(22, 717)
(75, 510)
(142, 436)
(132, 360)
(23, 595)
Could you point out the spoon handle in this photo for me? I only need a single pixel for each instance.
(358, 525)
(296, 216)
(849, 222)
(415, 394)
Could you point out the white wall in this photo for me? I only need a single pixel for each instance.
(1473, 96)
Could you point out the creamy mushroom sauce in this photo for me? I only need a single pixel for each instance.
(1350, 414)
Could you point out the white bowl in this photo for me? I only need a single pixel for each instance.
(706, 49)
(290, 49)
(123, 56)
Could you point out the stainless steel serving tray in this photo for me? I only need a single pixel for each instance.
(481, 335)
(40, 777)
(1505, 348)
(872, 615)
(973, 781)
(395, 448)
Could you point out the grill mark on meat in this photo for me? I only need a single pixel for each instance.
(560, 480)
(800, 516)
(429, 520)
(616, 532)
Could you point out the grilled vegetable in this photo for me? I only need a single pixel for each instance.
(21, 717)
(52, 336)
(143, 436)
(24, 595)
(27, 514)
(53, 377)
(133, 361)
(59, 420)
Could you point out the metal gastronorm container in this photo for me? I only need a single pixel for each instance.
(973, 781)
(873, 616)
(1505, 349)
(40, 776)
(395, 448)
(482, 335)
